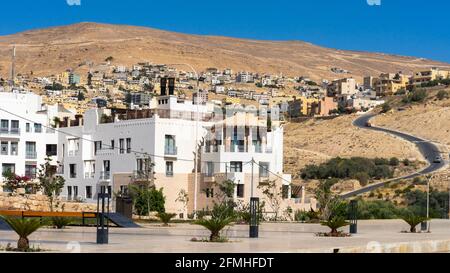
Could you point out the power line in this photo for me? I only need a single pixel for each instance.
(104, 144)
(267, 169)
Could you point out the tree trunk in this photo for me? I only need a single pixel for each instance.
(334, 232)
(23, 243)
(214, 236)
(413, 229)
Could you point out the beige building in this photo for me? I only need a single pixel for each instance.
(390, 83)
(346, 86)
(429, 75)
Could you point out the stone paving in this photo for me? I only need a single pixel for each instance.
(274, 238)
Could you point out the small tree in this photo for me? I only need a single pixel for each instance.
(220, 218)
(183, 198)
(49, 181)
(441, 95)
(274, 196)
(386, 107)
(413, 220)
(166, 217)
(14, 182)
(24, 228)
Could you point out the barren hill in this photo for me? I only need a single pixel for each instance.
(52, 50)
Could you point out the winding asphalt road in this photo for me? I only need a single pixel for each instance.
(428, 149)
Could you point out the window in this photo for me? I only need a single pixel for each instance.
(264, 169)
(88, 192)
(124, 190)
(285, 191)
(209, 169)
(240, 190)
(4, 126)
(97, 146)
(37, 128)
(30, 171)
(236, 166)
(128, 145)
(169, 168)
(14, 148)
(113, 144)
(73, 146)
(31, 150)
(75, 192)
(73, 170)
(15, 127)
(170, 145)
(209, 193)
(4, 148)
(121, 146)
(8, 168)
(28, 128)
(52, 150)
(69, 192)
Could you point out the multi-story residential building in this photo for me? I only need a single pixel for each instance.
(244, 77)
(114, 152)
(26, 144)
(429, 75)
(346, 86)
(390, 83)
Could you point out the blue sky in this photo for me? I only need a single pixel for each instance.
(404, 27)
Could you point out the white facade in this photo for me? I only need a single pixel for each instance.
(111, 154)
(24, 136)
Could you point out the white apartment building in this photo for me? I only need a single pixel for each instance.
(111, 148)
(25, 138)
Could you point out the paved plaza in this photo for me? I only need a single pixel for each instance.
(274, 238)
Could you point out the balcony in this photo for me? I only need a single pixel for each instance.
(105, 176)
(31, 155)
(89, 175)
(13, 131)
(73, 153)
(171, 151)
(140, 175)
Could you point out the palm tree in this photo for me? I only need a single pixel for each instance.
(23, 228)
(335, 223)
(166, 217)
(215, 225)
(413, 220)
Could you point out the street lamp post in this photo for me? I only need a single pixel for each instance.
(196, 135)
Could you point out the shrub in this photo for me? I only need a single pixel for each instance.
(406, 162)
(413, 220)
(166, 217)
(220, 218)
(394, 162)
(60, 222)
(386, 107)
(442, 95)
(147, 200)
(24, 228)
(335, 223)
(363, 178)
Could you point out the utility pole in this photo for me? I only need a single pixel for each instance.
(253, 164)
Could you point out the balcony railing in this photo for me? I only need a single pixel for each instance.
(171, 151)
(31, 155)
(89, 175)
(73, 153)
(140, 175)
(13, 131)
(105, 176)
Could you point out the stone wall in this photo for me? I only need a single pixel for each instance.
(36, 202)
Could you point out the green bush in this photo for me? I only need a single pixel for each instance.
(144, 197)
(60, 222)
(166, 217)
(343, 168)
(406, 162)
(394, 162)
(386, 107)
(442, 95)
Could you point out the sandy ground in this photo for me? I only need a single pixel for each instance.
(315, 141)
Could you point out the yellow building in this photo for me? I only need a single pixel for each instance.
(429, 75)
(230, 100)
(302, 106)
(390, 83)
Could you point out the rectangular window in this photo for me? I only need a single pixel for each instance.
(236, 166)
(30, 148)
(75, 192)
(170, 145)
(209, 169)
(28, 128)
(37, 128)
(128, 145)
(69, 192)
(113, 144)
(264, 169)
(52, 150)
(209, 193)
(73, 170)
(97, 146)
(169, 168)
(88, 192)
(121, 146)
(4, 148)
(240, 190)
(15, 127)
(30, 171)
(285, 191)
(4, 126)
(8, 168)
(14, 148)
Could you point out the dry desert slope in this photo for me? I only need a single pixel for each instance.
(52, 50)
